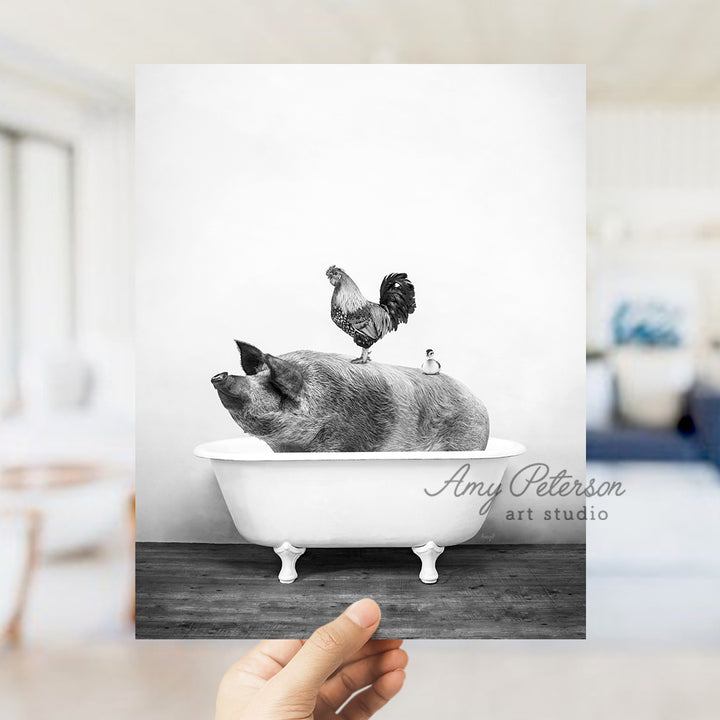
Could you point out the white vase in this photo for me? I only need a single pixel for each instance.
(710, 370)
(652, 383)
(599, 394)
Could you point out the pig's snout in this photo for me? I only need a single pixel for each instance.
(218, 379)
(231, 388)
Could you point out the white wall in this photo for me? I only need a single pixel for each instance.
(252, 180)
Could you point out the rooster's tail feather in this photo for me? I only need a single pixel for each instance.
(397, 296)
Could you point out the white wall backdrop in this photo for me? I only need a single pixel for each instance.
(252, 180)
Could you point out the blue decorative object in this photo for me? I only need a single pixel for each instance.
(652, 324)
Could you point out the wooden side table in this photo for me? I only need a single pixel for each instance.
(28, 533)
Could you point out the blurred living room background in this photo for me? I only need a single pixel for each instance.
(66, 329)
(653, 368)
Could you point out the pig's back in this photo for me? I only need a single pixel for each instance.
(401, 408)
(446, 414)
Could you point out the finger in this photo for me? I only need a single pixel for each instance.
(374, 647)
(365, 704)
(358, 675)
(371, 647)
(281, 651)
(251, 672)
(328, 648)
(263, 662)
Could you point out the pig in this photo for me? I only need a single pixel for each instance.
(306, 401)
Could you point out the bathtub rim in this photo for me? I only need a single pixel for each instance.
(229, 449)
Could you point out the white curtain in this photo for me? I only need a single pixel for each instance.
(8, 339)
(105, 256)
(45, 261)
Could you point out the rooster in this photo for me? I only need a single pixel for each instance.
(367, 322)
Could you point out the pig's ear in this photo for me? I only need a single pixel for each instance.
(285, 376)
(251, 359)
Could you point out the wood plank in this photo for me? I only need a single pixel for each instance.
(188, 590)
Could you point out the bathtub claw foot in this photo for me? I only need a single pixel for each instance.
(428, 554)
(289, 554)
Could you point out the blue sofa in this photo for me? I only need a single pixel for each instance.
(697, 437)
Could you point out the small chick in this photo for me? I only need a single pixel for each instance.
(431, 366)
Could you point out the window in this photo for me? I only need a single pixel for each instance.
(37, 259)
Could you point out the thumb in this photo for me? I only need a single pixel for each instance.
(328, 648)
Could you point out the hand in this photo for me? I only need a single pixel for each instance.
(311, 680)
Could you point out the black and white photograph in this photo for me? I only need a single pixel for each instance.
(363, 315)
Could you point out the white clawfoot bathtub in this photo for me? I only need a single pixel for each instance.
(420, 500)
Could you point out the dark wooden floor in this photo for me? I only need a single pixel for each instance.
(484, 591)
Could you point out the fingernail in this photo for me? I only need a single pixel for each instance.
(364, 613)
